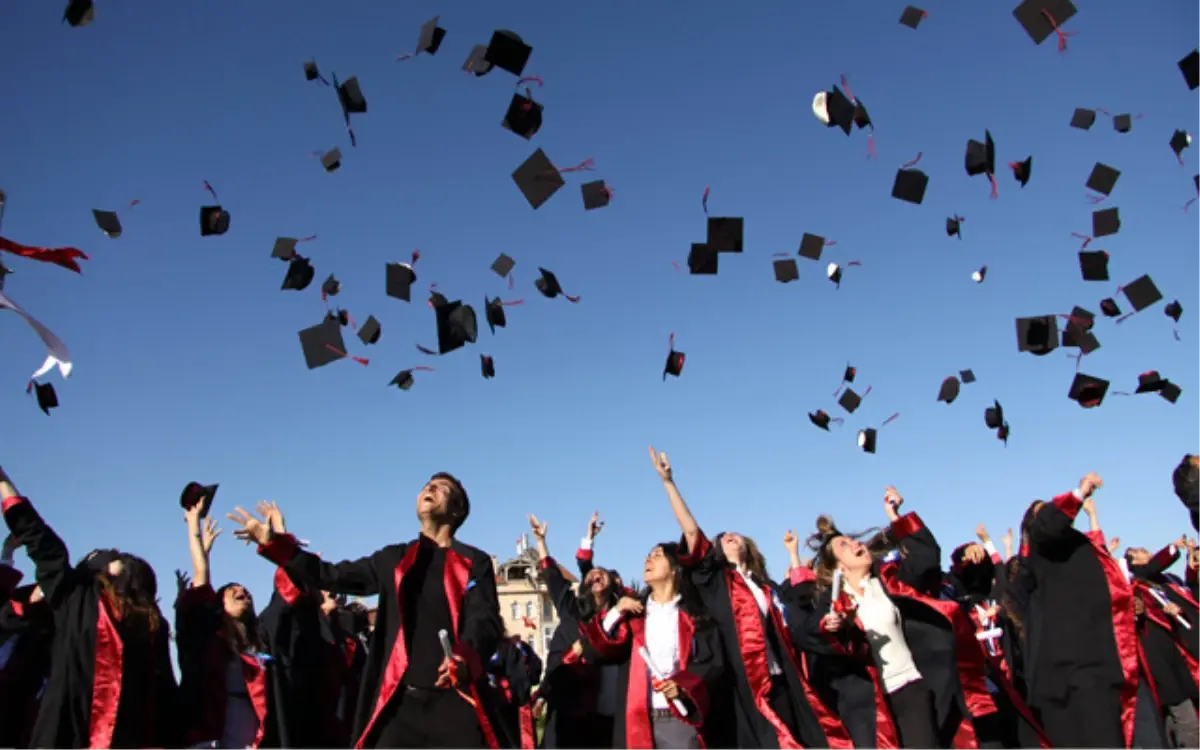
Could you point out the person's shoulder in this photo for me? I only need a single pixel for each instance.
(474, 553)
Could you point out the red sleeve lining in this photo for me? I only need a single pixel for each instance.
(9, 503)
(690, 558)
(906, 525)
(1069, 504)
(280, 550)
(290, 592)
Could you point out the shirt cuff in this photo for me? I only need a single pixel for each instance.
(611, 619)
(991, 548)
(585, 543)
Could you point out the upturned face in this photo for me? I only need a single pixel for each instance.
(237, 601)
(433, 501)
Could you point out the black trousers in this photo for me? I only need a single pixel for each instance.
(915, 715)
(1084, 717)
(421, 717)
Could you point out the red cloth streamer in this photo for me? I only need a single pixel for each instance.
(704, 199)
(59, 256)
(1087, 239)
(512, 302)
(335, 350)
(913, 163)
(1062, 35)
(1094, 199)
(849, 93)
(587, 164)
(995, 186)
(889, 419)
(209, 188)
(871, 152)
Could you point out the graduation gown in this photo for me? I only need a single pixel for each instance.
(1166, 651)
(1081, 663)
(204, 659)
(743, 710)
(26, 632)
(700, 666)
(109, 685)
(508, 693)
(470, 589)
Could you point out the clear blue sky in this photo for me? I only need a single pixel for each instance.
(188, 364)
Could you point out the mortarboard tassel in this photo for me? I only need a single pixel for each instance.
(335, 350)
(211, 192)
(587, 165)
(59, 256)
(871, 153)
(704, 199)
(1087, 239)
(1062, 35)
(1094, 199)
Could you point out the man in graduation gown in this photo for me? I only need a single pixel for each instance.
(412, 694)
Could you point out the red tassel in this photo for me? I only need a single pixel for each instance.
(1086, 239)
(335, 350)
(587, 165)
(995, 186)
(889, 419)
(871, 152)
(1062, 35)
(209, 188)
(913, 163)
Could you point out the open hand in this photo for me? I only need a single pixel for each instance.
(1113, 544)
(539, 528)
(595, 525)
(892, 502)
(182, 581)
(982, 533)
(1007, 539)
(270, 511)
(252, 528)
(209, 534)
(974, 554)
(662, 465)
(1089, 484)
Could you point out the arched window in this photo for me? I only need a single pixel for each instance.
(516, 612)
(529, 610)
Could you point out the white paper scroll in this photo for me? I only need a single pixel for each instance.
(836, 592)
(56, 350)
(658, 675)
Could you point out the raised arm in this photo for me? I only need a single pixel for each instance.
(586, 551)
(561, 595)
(1054, 519)
(921, 564)
(51, 560)
(10, 577)
(201, 535)
(1162, 560)
(683, 514)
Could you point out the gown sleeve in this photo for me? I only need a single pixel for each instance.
(1053, 520)
(52, 562)
(921, 563)
(481, 629)
(355, 577)
(561, 595)
(704, 671)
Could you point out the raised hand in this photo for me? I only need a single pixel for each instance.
(1089, 506)
(538, 528)
(209, 534)
(192, 516)
(182, 581)
(982, 532)
(270, 511)
(892, 502)
(791, 542)
(1007, 539)
(1113, 544)
(595, 525)
(252, 529)
(1089, 484)
(974, 554)
(662, 465)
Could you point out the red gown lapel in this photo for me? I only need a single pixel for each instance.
(255, 674)
(639, 732)
(1124, 631)
(457, 577)
(106, 678)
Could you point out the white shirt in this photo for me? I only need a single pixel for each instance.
(662, 642)
(764, 609)
(885, 634)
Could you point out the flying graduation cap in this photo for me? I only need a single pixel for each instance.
(47, 397)
(868, 437)
(1180, 140)
(550, 288)
(300, 274)
(910, 184)
(1083, 119)
(1103, 179)
(912, 17)
(405, 380)
(949, 390)
(1041, 18)
(429, 39)
(370, 331)
(979, 275)
(214, 220)
(323, 344)
(494, 312)
(596, 194)
(993, 417)
(1087, 390)
(981, 159)
(524, 115)
(954, 226)
(821, 419)
(80, 13)
(1189, 66)
(1037, 335)
(538, 179)
(457, 326)
(198, 494)
(675, 360)
(352, 101)
(508, 52)
(109, 222)
(487, 366)
(1022, 170)
(400, 277)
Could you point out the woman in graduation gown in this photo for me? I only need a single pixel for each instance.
(768, 701)
(111, 684)
(26, 633)
(226, 696)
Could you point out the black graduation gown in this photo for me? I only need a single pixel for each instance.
(109, 685)
(508, 693)
(10, 578)
(1165, 656)
(203, 663)
(26, 632)
(1080, 642)
(741, 707)
(470, 588)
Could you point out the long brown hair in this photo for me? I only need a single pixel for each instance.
(755, 563)
(132, 595)
(825, 563)
(240, 634)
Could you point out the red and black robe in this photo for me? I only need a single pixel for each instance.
(26, 634)
(508, 693)
(1166, 650)
(470, 588)
(744, 710)
(110, 685)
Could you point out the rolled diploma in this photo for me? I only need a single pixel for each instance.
(658, 675)
(447, 649)
(837, 590)
(1163, 601)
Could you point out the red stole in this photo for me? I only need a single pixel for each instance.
(255, 674)
(106, 678)
(1124, 629)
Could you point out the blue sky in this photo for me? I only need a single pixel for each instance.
(187, 359)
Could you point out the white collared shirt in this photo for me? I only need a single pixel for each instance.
(885, 634)
(662, 642)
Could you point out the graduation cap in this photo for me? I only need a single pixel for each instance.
(1083, 118)
(399, 280)
(839, 110)
(981, 159)
(993, 416)
(675, 360)
(1150, 382)
(538, 179)
(1190, 67)
(1103, 179)
(1179, 141)
(949, 390)
(81, 12)
(1123, 123)
(966, 376)
(493, 310)
(850, 401)
(330, 287)
(332, 160)
(1094, 265)
(1173, 310)
(311, 72)
(214, 220)
(1038, 335)
(503, 265)
(1170, 392)
(1079, 322)
(725, 234)
(822, 419)
(456, 327)
(595, 195)
(910, 183)
(1088, 390)
(198, 494)
(1105, 222)
(524, 115)
(476, 62)
(834, 272)
(487, 365)
(954, 226)
(351, 98)
(323, 344)
(1022, 170)
(47, 397)
(370, 331)
(299, 275)
(1109, 307)
(549, 287)
(979, 275)
(404, 379)
(811, 246)
(786, 270)
(912, 17)
(508, 52)
(867, 438)
(1142, 293)
(109, 223)
(703, 260)
(341, 316)
(1041, 18)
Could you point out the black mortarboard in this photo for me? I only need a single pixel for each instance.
(431, 36)
(910, 185)
(1087, 390)
(1109, 307)
(403, 380)
(1083, 118)
(47, 398)
(299, 275)
(437, 299)
(351, 97)
(81, 13)
(954, 227)
(811, 246)
(725, 234)
(399, 281)
(1150, 382)
(981, 157)
(849, 374)
(503, 265)
(849, 400)
(1094, 265)
(370, 331)
(595, 194)
(1086, 341)
(456, 326)
(341, 316)
(109, 223)
(866, 439)
(912, 17)
(1170, 392)
(861, 118)
(322, 344)
(1105, 222)
(198, 494)
(549, 287)
(1142, 293)
(1041, 18)
(822, 419)
(675, 362)
(1037, 335)
(966, 376)
(993, 416)
(524, 116)
(840, 110)
(1022, 170)
(1079, 324)
(1179, 141)
(1189, 66)
(477, 61)
(284, 248)
(493, 310)
(1102, 179)
(949, 390)
(538, 179)
(1123, 123)
(508, 52)
(487, 365)
(1173, 310)
(332, 160)
(979, 275)
(311, 72)
(786, 270)
(703, 260)
(331, 286)
(834, 272)
(213, 220)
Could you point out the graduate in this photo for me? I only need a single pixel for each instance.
(414, 694)
(26, 635)
(111, 684)
(769, 702)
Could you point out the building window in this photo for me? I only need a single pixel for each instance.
(529, 610)
(517, 573)
(516, 612)
(547, 635)
(547, 610)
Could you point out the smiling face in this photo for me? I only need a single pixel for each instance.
(851, 555)
(733, 546)
(597, 581)
(237, 601)
(1138, 555)
(658, 567)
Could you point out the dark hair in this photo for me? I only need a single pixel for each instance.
(241, 634)
(1184, 479)
(460, 503)
(133, 594)
(689, 597)
(586, 603)
(755, 562)
(824, 562)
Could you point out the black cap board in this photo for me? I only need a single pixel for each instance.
(674, 364)
(811, 246)
(549, 287)
(1105, 222)
(1083, 119)
(910, 185)
(1079, 322)
(1123, 123)
(299, 275)
(949, 390)
(966, 376)
(523, 117)
(595, 194)
(476, 62)
(80, 13)
(109, 223)
(1040, 18)
(993, 416)
(786, 270)
(867, 438)
(487, 366)
(954, 227)
(1094, 265)
(284, 248)
(1088, 390)
(493, 310)
(322, 344)
(1142, 293)
(403, 380)
(431, 36)
(351, 97)
(331, 286)
(703, 260)
(1173, 310)
(47, 398)
(1085, 341)
(1150, 382)
(341, 316)
(1102, 179)
(370, 331)
(1037, 335)
(1189, 66)
(198, 494)
(399, 280)
(850, 400)
(332, 160)
(503, 265)
(912, 17)
(538, 179)
(981, 157)
(821, 419)
(311, 72)
(456, 326)
(508, 52)
(214, 220)
(1022, 171)
(1179, 141)
(861, 118)
(1170, 392)
(840, 110)
(1109, 307)
(725, 234)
